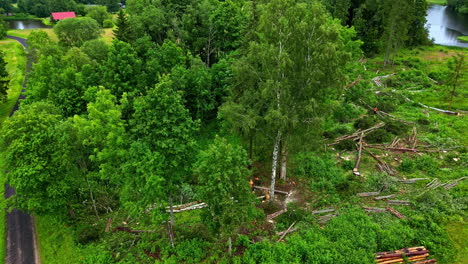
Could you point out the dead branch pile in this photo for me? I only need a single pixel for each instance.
(398, 256)
(357, 135)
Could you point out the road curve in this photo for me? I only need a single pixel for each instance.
(21, 242)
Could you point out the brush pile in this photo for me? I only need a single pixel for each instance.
(415, 255)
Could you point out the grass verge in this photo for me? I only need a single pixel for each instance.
(16, 67)
(107, 36)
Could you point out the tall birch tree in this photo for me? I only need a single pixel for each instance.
(286, 75)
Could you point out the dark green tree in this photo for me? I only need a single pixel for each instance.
(98, 13)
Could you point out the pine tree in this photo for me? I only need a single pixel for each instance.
(122, 32)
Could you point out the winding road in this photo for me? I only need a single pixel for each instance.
(21, 241)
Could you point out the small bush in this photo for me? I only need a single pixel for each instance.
(407, 166)
(108, 23)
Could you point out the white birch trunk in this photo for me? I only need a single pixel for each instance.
(274, 166)
(284, 160)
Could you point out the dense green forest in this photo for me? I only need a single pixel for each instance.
(239, 110)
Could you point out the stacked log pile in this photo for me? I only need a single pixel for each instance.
(414, 255)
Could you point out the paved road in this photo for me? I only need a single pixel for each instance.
(21, 244)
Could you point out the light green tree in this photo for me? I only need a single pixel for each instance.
(224, 185)
(75, 31)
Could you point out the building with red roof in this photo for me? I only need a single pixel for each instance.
(62, 15)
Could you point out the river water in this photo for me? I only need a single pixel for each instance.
(26, 24)
(445, 25)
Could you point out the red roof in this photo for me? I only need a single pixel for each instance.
(63, 15)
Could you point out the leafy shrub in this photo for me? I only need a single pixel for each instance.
(191, 251)
(407, 166)
(427, 163)
(345, 113)
(322, 172)
(366, 122)
(108, 23)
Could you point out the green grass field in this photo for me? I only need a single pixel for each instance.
(107, 34)
(437, 2)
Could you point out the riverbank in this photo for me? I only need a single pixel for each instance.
(463, 38)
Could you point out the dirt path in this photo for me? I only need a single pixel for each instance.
(21, 241)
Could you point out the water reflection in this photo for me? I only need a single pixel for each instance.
(445, 25)
(26, 24)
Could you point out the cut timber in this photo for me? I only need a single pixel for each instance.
(108, 224)
(411, 249)
(399, 202)
(385, 197)
(413, 180)
(367, 194)
(374, 209)
(182, 206)
(265, 188)
(432, 182)
(276, 214)
(286, 232)
(358, 161)
(408, 254)
(428, 261)
(395, 212)
(323, 211)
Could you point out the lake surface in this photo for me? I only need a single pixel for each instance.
(445, 25)
(26, 24)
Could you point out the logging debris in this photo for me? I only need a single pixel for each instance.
(453, 183)
(267, 189)
(378, 80)
(357, 134)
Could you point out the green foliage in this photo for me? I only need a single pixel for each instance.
(98, 13)
(321, 172)
(223, 178)
(96, 49)
(3, 29)
(108, 23)
(75, 31)
(4, 78)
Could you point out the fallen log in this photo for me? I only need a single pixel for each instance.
(353, 83)
(439, 110)
(413, 180)
(286, 232)
(432, 182)
(367, 194)
(410, 249)
(384, 197)
(377, 80)
(408, 254)
(395, 212)
(358, 161)
(192, 207)
(268, 189)
(182, 206)
(323, 211)
(399, 202)
(276, 214)
(374, 209)
(131, 231)
(326, 218)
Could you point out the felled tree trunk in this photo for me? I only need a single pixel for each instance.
(274, 166)
(171, 222)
